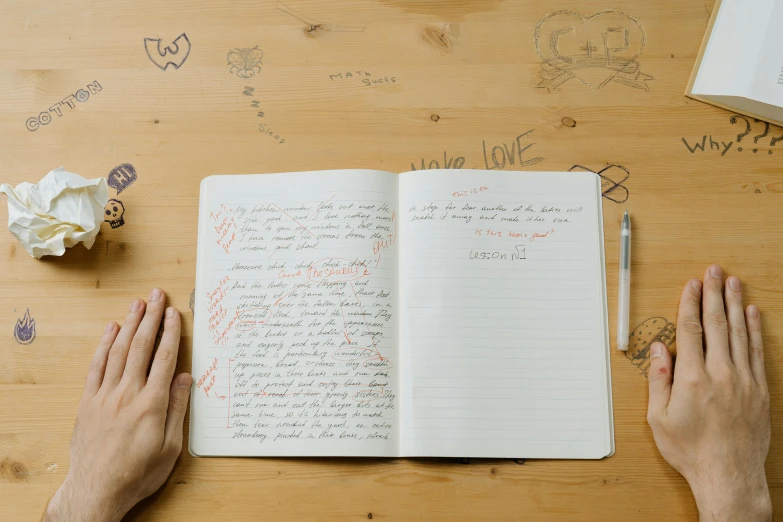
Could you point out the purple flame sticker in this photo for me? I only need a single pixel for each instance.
(24, 332)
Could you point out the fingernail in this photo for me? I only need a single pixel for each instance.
(135, 305)
(753, 311)
(155, 294)
(656, 350)
(696, 284)
(715, 271)
(734, 283)
(170, 312)
(109, 327)
(184, 381)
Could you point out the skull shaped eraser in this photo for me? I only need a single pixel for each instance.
(114, 211)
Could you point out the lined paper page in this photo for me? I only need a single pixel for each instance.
(295, 346)
(503, 327)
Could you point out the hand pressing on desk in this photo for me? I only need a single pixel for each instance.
(128, 430)
(710, 412)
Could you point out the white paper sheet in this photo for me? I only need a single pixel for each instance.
(58, 212)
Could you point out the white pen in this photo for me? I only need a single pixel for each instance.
(624, 285)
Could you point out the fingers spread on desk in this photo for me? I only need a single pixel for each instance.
(144, 340)
(118, 354)
(165, 361)
(175, 416)
(756, 346)
(690, 347)
(660, 381)
(98, 364)
(716, 333)
(738, 332)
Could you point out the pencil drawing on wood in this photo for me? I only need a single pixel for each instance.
(594, 50)
(652, 330)
(611, 189)
(24, 331)
(174, 54)
(246, 62)
(114, 210)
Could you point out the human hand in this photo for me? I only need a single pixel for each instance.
(128, 430)
(710, 414)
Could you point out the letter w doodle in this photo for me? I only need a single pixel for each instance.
(174, 54)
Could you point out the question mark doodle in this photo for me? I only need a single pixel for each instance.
(766, 132)
(734, 120)
(774, 142)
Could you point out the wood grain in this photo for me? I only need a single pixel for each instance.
(465, 73)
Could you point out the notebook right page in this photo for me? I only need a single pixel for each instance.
(503, 331)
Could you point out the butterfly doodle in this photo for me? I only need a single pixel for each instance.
(246, 62)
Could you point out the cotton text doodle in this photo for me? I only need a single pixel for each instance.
(121, 177)
(611, 189)
(594, 50)
(246, 62)
(174, 54)
(81, 96)
(24, 331)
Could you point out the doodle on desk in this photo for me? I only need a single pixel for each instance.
(267, 130)
(610, 188)
(121, 177)
(448, 163)
(263, 127)
(174, 54)
(44, 118)
(245, 63)
(501, 155)
(719, 146)
(594, 50)
(115, 212)
(773, 141)
(348, 74)
(24, 331)
(255, 103)
(763, 128)
(365, 78)
(643, 336)
(505, 155)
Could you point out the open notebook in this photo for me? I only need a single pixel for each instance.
(740, 65)
(439, 313)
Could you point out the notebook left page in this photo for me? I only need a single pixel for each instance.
(295, 316)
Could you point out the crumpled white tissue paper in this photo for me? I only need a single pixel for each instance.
(58, 212)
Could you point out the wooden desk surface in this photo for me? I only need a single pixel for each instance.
(455, 75)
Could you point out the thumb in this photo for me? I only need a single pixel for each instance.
(660, 380)
(178, 406)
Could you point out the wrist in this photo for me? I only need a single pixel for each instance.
(72, 502)
(738, 498)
